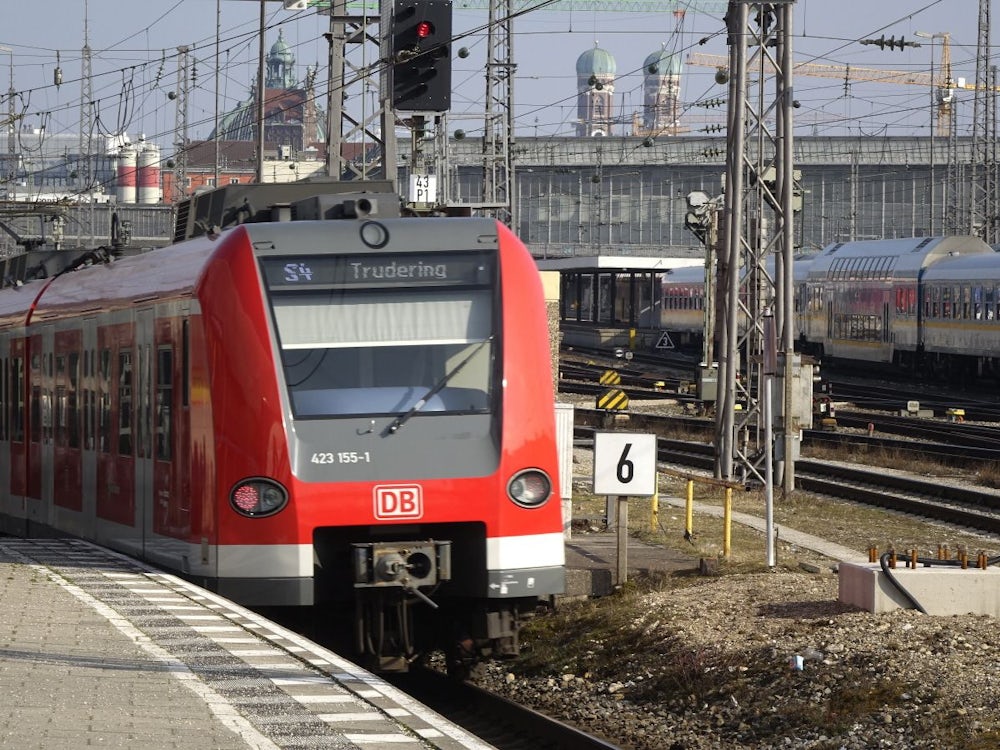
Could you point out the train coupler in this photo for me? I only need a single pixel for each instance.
(407, 565)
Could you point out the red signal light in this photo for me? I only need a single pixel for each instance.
(424, 29)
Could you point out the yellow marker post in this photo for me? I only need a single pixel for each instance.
(654, 508)
(727, 523)
(689, 508)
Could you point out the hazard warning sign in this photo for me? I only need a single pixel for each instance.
(665, 341)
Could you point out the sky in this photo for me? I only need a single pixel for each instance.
(134, 62)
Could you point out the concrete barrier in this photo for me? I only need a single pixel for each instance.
(940, 590)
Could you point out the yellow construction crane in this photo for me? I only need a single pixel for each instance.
(944, 85)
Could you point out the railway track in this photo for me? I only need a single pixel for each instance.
(934, 430)
(500, 722)
(933, 498)
(929, 440)
(978, 407)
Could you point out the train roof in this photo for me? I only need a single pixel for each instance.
(897, 258)
(119, 283)
(696, 274)
(981, 268)
(176, 270)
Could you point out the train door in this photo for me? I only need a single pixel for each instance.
(67, 474)
(40, 448)
(171, 479)
(143, 400)
(117, 522)
(10, 505)
(88, 401)
(16, 393)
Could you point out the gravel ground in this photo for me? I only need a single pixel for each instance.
(709, 662)
(712, 667)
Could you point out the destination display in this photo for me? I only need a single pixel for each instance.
(333, 271)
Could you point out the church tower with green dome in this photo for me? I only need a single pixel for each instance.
(595, 85)
(661, 90)
(291, 118)
(280, 73)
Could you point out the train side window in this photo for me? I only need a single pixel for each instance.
(185, 364)
(17, 399)
(144, 414)
(125, 403)
(105, 414)
(61, 416)
(35, 418)
(73, 402)
(36, 413)
(164, 400)
(989, 300)
(4, 398)
(87, 383)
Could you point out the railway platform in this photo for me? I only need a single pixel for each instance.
(97, 650)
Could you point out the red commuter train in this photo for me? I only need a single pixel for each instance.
(329, 412)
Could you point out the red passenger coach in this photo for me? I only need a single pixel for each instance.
(338, 411)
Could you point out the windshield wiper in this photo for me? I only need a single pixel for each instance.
(401, 419)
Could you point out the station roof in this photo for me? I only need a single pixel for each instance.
(616, 263)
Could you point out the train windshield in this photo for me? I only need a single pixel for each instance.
(351, 349)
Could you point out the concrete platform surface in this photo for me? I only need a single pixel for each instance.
(97, 650)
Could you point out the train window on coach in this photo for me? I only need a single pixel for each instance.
(185, 363)
(164, 400)
(73, 399)
(4, 399)
(17, 393)
(60, 405)
(104, 426)
(36, 413)
(125, 403)
(989, 302)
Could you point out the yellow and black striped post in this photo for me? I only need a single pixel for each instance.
(610, 377)
(612, 400)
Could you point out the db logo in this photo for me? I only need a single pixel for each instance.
(398, 501)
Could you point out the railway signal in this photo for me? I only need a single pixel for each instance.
(420, 39)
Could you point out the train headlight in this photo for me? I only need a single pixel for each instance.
(258, 497)
(529, 488)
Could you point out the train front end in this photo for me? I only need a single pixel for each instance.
(409, 469)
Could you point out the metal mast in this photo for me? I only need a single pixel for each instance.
(498, 135)
(757, 225)
(983, 219)
(84, 172)
(181, 124)
(347, 81)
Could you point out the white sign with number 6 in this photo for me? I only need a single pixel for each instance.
(624, 464)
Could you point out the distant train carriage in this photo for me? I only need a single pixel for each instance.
(684, 308)
(863, 300)
(927, 304)
(355, 413)
(960, 313)
(683, 312)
